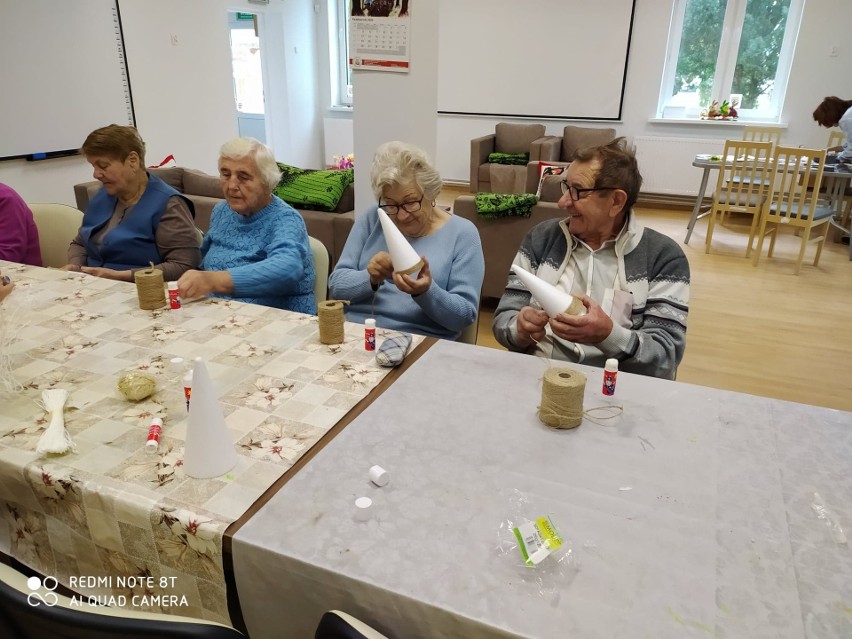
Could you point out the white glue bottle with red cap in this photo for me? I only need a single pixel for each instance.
(609, 377)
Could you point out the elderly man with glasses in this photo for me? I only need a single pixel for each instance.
(633, 281)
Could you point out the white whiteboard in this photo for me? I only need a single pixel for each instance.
(64, 74)
(564, 59)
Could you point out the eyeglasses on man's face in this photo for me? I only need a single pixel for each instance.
(408, 207)
(577, 194)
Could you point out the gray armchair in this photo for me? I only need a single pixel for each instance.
(507, 138)
(563, 150)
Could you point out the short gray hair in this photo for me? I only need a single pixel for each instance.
(401, 163)
(240, 148)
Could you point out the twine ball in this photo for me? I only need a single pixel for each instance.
(330, 315)
(562, 398)
(150, 288)
(136, 386)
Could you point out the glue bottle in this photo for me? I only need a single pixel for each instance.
(174, 296)
(154, 435)
(370, 334)
(610, 373)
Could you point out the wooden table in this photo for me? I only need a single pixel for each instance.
(110, 509)
(697, 513)
(836, 176)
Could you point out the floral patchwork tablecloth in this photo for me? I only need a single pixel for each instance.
(118, 524)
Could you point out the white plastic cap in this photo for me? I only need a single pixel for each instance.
(172, 286)
(611, 364)
(370, 323)
(176, 363)
(158, 421)
(187, 379)
(379, 476)
(362, 508)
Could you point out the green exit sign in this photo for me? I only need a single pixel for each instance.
(245, 16)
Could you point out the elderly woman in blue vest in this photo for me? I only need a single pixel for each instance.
(257, 247)
(443, 298)
(136, 218)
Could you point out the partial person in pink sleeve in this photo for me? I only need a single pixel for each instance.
(18, 232)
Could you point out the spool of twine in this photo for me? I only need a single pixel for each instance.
(150, 288)
(562, 398)
(330, 314)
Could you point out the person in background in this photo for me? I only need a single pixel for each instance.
(833, 111)
(135, 218)
(633, 281)
(257, 248)
(18, 232)
(443, 298)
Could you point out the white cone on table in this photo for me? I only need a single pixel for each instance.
(405, 259)
(209, 450)
(551, 299)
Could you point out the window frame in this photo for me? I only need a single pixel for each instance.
(338, 38)
(726, 59)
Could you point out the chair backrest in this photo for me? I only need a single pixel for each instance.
(516, 138)
(575, 138)
(57, 224)
(762, 134)
(835, 138)
(792, 201)
(39, 613)
(321, 265)
(743, 176)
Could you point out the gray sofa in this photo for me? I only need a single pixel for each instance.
(502, 237)
(330, 228)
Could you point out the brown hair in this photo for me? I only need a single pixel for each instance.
(115, 142)
(618, 168)
(830, 110)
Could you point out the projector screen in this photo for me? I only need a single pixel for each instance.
(563, 59)
(64, 74)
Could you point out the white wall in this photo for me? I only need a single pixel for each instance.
(398, 106)
(184, 104)
(183, 95)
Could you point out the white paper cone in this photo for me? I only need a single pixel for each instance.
(209, 448)
(405, 259)
(551, 299)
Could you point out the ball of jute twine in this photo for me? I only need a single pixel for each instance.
(330, 314)
(562, 398)
(149, 288)
(136, 386)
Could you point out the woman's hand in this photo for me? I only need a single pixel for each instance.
(193, 284)
(380, 268)
(412, 286)
(75, 268)
(107, 273)
(531, 323)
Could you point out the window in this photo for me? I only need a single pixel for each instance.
(724, 49)
(341, 75)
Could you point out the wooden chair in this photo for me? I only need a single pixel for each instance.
(762, 134)
(742, 184)
(792, 204)
(835, 138)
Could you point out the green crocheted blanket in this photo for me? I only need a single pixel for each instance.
(312, 190)
(493, 206)
(508, 158)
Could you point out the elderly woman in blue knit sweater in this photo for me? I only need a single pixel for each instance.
(257, 247)
(443, 298)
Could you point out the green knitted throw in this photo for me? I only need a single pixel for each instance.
(508, 158)
(493, 206)
(312, 190)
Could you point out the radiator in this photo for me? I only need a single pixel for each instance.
(666, 163)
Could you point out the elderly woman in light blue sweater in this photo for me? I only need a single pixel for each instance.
(443, 298)
(257, 247)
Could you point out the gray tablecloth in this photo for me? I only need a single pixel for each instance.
(690, 516)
